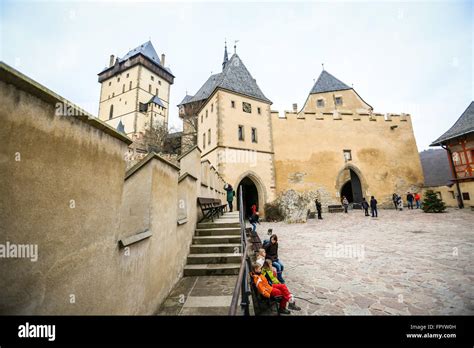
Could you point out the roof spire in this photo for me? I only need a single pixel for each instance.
(235, 46)
(323, 66)
(226, 56)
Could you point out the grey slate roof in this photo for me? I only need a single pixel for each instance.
(235, 77)
(121, 127)
(146, 49)
(436, 169)
(464, 125)
(186, 99)
(328, 83)
(157, 100)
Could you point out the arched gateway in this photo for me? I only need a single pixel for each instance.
(350, 184)
(253, 192)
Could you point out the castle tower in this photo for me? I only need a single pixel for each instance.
(233, 130)
(135, 90)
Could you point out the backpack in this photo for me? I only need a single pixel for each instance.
(265, 243)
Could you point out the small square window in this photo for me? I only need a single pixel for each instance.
(241, 133)
(159, 82)
(232, 104)
(246, 107)
(347, 155)
(259, 111)
(465, 196)
(142, 107)
(320, 103)
(254, 135)
(338, 100)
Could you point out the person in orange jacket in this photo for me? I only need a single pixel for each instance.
(267, 290)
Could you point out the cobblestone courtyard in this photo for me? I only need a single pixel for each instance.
(402, 263)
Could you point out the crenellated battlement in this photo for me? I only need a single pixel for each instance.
(338, 115)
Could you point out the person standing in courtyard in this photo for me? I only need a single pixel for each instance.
(365, 206)
(400, 203)
(318, 208)
(395, 200)
(345, 203)
(253, 208)
(254, 221)
(410, 199)
(230, 195)
(272, 253)
(417, 200)
(373, 206)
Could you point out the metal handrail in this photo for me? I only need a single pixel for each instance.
(241, 285)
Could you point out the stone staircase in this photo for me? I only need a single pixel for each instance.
(216, 248)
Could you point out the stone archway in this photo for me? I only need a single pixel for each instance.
(253, 191)
(351, 183)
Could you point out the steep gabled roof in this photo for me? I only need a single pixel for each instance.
(328, 83)
(464, 125)
(155, 99)
(436, 169)
(236, 78)
(146, 49)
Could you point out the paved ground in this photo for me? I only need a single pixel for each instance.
(405, 262)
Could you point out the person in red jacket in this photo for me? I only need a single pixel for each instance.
(267, 290)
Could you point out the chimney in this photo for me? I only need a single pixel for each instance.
(295, 107)
(163, 59)
(111, 60)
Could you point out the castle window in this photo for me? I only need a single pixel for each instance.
(202, 117)
(465, 196)
(320, 103)
(347, 155)
(152, 78)
(111, 111)
(118, 79)
(212, 107)
(130, 85)
(110, 83)
(338, 100)
(232, 104)
(143, 107)
(246, 107)
(149, 88)
(206, 113)
(159, 82)
(254, 135)
(157, 91)
(241, 132)
(128, 75)
(123, 88)
(259, 111)
(113, 94)
(203, 140)
(209, 136)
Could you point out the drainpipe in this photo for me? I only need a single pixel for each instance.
(460, 202)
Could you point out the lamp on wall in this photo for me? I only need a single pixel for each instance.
(393, 127)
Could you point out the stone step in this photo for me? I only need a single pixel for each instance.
(216, 239)
(212, 269)
(214, 248)
(217, 231)
(218, 224)
(214, 258)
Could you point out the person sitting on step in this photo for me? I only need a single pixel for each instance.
(268, 291)
(272, 253)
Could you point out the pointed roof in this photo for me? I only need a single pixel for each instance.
(121, 127)
(236, 78)
(463, 126)
(155, 99)
(146, 49)
(186, 99)
(328, 83)
(226, 57)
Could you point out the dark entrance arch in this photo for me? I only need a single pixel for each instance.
(352, 189)
(249, 195)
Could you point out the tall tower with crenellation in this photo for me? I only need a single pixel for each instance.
(135, 90)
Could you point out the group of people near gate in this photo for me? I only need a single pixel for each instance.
(411, 198)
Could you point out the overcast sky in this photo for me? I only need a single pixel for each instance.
(414, 57)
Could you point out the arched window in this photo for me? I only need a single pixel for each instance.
(111, 112)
